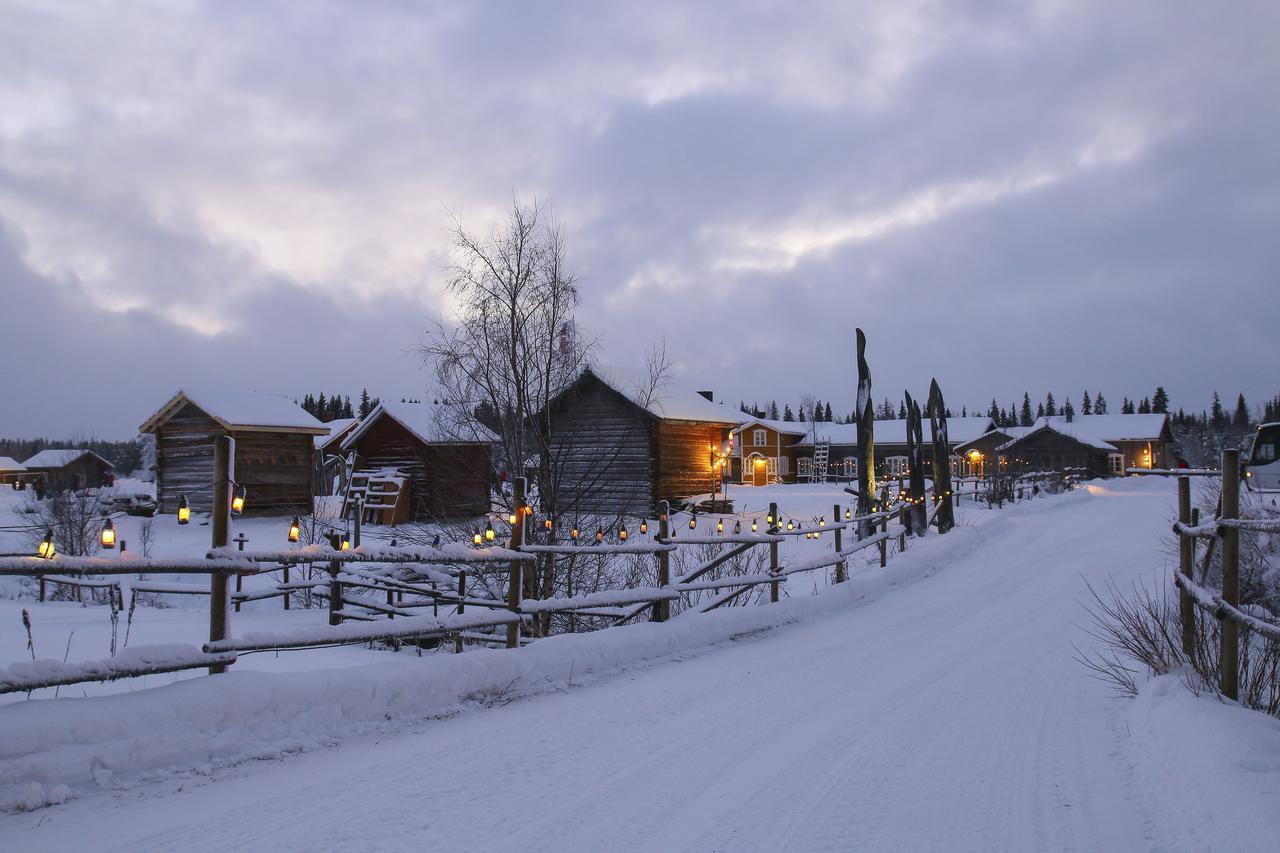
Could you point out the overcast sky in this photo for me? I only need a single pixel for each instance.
(1044, 196)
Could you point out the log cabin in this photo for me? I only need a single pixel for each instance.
(274, 450)
(1049, 447)
(419, 462)
(57, 469)
(1130, 441)
(618, 450)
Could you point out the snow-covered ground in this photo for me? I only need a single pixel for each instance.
(934, 705)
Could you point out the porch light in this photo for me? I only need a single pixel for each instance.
(237, 502)
(184, 510)
(295, 528)
(108, 534)
(46, 549)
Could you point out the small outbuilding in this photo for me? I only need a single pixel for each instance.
(274, 449)
(417, 462)
(11, 471)
(59, 468)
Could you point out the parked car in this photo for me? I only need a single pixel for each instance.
(140, 503)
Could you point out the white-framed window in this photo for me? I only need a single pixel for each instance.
(956, 463)
(849, 466)
(759, 438)
(896, 466)
(1115, 463)
(804, 466)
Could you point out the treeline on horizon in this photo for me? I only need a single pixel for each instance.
(1025, 413)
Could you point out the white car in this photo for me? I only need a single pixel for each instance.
(1263, 465)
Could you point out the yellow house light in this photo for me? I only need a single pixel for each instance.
(46, 548)
(108, 535)
(295, 528)
(237, 502)
(184, 510)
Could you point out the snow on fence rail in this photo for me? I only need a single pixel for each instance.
(130, 663)
(1222, 605)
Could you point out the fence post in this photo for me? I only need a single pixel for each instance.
(1229, 655)
(240, 541)
(773, 552)
(224, 473)
(359, 517)
(884, 543)
(287, 592)
(662, 609)
(462, 606)
(335, 593)
(1186, 557)
(517, 540)
(835, 514)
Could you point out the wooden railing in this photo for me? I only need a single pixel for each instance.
(1224, 604)
(378, 593)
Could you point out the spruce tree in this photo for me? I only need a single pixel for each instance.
(1218, 418)
(1241, 418)
(1068, 411)
(1040, 411)
(1025, 416)
(787, 415)
(1160, 401)
(773, 409)
(1086, 405)
(1099, 404)
(1050, 407)
(366, 405)
(826, 415)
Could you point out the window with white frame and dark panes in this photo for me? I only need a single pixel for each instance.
(759, 438)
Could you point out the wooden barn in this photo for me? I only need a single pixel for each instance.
(619, 451)
(273, 457)
(1048, 447)
(1129, 441)
(413, 464)
(56, 469)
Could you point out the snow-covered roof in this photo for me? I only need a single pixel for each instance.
(248, 411)
(431, 423)
(671, 401)
(893, 431)
(784, 427)
(1100, 431)
(337, 429)
(58, 457)
(9, 465)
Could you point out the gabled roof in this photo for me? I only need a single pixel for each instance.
(893, 431)
(1112, 427)
(60, 457)
(430, 423)
(337, 431)
(784, 427)
(9, 465)
(669, 402)
(1063, 428)
(240, 411)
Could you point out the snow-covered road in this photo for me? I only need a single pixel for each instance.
(946, 714)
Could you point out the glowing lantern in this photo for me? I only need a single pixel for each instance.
(477, 539)
(847, 514)
(693, 521)
(754, 526)
(237, 502)
(345, 544)
(599, 535)
(622, 535)
(489, 535)
(46, 548)
(719, 525)
(547, 523)
(575, 533)
(644, 526)
(295, 528)
(790, 525)
(108, 535)
(511, 519)
(184, 510)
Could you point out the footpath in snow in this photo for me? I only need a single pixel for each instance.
(933, 705)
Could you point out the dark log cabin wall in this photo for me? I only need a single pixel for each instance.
(601, 452)
(684, 457)
(274, 467)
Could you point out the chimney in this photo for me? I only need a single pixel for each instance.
(710, 395)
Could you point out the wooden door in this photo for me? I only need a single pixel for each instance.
(759, 471)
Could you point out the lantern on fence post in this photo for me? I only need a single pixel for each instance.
(511, 519)
(489, 534)
(345, 544)
(847, 514)
(295, 528)
(184, 510)
(108, 534)
(237, 502)
(46, 549)
(644, 526)
(477, 539)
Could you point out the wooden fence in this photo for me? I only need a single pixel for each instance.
(380, 593)
(1224, 605)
